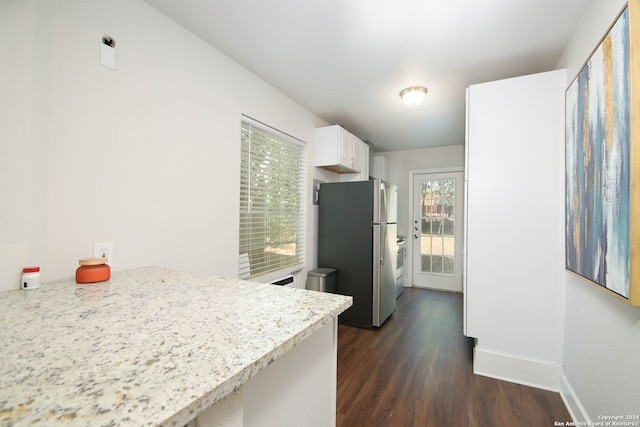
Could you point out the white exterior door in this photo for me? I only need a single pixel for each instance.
(437, 230)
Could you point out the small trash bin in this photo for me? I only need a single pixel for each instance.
(322, 279)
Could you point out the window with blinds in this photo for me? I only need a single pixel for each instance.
(272, 206)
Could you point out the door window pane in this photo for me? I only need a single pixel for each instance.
(438, 226)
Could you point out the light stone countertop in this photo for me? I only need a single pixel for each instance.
(149, 347)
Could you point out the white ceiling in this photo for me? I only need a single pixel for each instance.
(347, 60)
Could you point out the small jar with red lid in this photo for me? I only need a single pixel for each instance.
(30, 278)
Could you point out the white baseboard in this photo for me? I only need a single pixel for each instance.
(531, 373)
(573, 404)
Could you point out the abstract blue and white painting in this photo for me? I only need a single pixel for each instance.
(597, 164)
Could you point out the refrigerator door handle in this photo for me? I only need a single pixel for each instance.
(378, 252)
(377, 202)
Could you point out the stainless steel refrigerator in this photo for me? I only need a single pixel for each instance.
(357, 237)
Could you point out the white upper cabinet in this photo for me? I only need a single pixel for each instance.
(338, 151)
(344, 147)
(362, 162)
(381, 168)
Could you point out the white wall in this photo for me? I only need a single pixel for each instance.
(146, 156)
(602, 336)
(18, 164)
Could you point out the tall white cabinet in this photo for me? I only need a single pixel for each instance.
(514, 242)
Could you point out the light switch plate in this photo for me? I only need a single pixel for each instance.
(107, 56)
(104, 250)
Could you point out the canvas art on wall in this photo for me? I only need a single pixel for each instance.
(598, 164)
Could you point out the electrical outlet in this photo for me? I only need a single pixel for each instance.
(104, 250)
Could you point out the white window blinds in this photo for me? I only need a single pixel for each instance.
(272, 202)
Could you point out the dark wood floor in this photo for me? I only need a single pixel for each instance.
(416, 370)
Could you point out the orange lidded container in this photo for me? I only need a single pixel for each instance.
(93, 270)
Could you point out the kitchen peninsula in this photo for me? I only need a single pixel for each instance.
(156, 347)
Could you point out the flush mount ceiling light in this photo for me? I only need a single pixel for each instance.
(413, 95)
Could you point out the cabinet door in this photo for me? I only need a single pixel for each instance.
(364, 161)
(363, 175)
(381, 168)
(344, 148)
(334, 150)
(356, 153)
